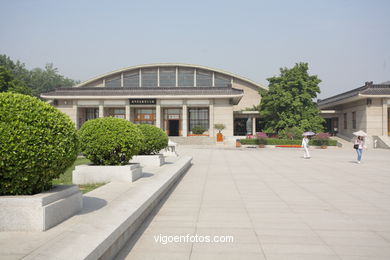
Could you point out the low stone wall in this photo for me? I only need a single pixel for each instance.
(102, 232)
(41, 211)
(155, 160)
(91, 174)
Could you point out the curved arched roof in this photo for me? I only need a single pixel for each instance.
(170, 65)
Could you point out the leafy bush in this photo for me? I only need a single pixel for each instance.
(248, 141)
(328, 142)
(154, 139)
(261, 135)
(322, 139)
(273, 141)
(293, 133)
(110, 141)
(261, 138)
(198, 130)
(37, 144)
(219, 127)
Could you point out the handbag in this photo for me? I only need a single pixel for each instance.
(355, 146)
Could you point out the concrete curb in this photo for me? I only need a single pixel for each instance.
(102, 233)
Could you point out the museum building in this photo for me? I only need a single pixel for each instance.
(174, 97)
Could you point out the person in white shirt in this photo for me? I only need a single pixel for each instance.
(305, 145)
(359, 144)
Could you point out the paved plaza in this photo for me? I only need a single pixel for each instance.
(276, 205)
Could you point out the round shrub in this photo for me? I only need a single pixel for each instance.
(109, 141)
(154, 139)
(37, 144)
(198, 129)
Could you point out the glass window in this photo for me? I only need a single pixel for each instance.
(198, 117)
(354, 120)
(185, 77)
(145, 116)
(149, 77)
(113, 82)
(131, 79)
(221, 80)
(204, 78)
(91, 113)
(117, 112)
(167, 77)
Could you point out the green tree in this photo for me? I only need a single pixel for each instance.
(9, 83)
(37, 80)
(43, 80)
(290, 101)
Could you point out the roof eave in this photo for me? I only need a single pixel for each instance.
(339, 102)
(143, 96)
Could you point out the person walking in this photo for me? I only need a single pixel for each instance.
(305, 145)
(359, 144)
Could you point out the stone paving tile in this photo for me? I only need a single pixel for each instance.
(226, 256)
(301, 257)
(277, 206)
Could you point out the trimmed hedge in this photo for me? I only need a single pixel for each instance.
(37, 144)
(198, 130)
(154, 139)
(110, 141)
(273, 141)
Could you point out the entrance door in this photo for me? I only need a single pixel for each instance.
(173, 127)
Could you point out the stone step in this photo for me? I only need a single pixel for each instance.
(193, 140)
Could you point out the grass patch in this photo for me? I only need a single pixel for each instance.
(66, 177)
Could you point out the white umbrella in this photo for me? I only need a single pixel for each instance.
(308, 133)
(360, 133)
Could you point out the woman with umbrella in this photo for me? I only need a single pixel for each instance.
(359, 144)
(305, 144)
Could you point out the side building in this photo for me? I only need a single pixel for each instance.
(365, 108)
(174, 97)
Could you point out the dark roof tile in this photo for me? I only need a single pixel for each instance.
(157, 91)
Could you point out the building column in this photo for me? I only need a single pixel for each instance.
(101, 111)
(76, 114)
(211, 118)
(253, 125)
(384, 116)
(184, 121)
(158, 114)
(127, 112)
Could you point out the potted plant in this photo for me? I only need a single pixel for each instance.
(322, 140)
(154, 140)
(38, 143)
(198, 130)
(238, 143)
(261, 139)
(219, 127)
(109, 143)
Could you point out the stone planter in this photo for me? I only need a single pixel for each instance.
(90, 174)
(41, 211)
(154, 160)
(324, 146)
(261, 145)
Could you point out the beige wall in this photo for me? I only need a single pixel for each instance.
(66, 106)
(251, 95)
(361, 117)
(377, 115)
(223, 114)
(370, 118)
